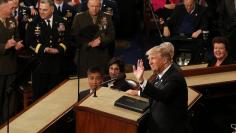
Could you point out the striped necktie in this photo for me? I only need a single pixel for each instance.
(157, 81)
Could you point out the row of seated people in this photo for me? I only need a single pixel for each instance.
(190, 26)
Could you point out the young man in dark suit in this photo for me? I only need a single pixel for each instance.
(95, 78)
(48, 36)
(167, 92)
(9, 44)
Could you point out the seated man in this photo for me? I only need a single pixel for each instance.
(185, 26)
(94, 80)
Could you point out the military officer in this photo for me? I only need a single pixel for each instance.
(61, 8)
(47, 35)
(95, 49)
(9, 44)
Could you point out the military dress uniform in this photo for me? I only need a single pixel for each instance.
(8, 67)
(49, 71)
(96, 56)
(67, 12)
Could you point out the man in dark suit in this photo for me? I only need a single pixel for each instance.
(62, 9)
(95, 77)
(168, 92)
(94, 49)
(47, 35)
(188, 20)
(9, 44)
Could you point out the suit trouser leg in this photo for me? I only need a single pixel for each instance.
(8, 97)
(39, 84)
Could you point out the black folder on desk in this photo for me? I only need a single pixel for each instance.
(132, 104)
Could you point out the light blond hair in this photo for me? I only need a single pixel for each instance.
(165, 49)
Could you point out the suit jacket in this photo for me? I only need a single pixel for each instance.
(67, 12)
(168, 106)
(97, 56)
(7, 57)
(48, 37)
(84, 93)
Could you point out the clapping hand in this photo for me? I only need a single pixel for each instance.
(10, 43)
(51, 50)
(19, 45)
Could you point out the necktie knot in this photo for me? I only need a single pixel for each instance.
(48, 23)
(59, 8)
(157, 81)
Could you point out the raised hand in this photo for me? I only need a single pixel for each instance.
(138, 71)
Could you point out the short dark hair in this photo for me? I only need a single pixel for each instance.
(221, 39)
(94, 69)
(119, 62)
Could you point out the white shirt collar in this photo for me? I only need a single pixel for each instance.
(51, 20)
(160, 75)
(57, 5)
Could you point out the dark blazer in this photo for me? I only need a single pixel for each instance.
(198, 18)
(228, 60)
(168, 105)
(97, 56)
(49, 63)
(7, 57)
(67, 12)
(84, 93)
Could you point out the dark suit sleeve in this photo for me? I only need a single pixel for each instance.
(2, 48)
(74, 32)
